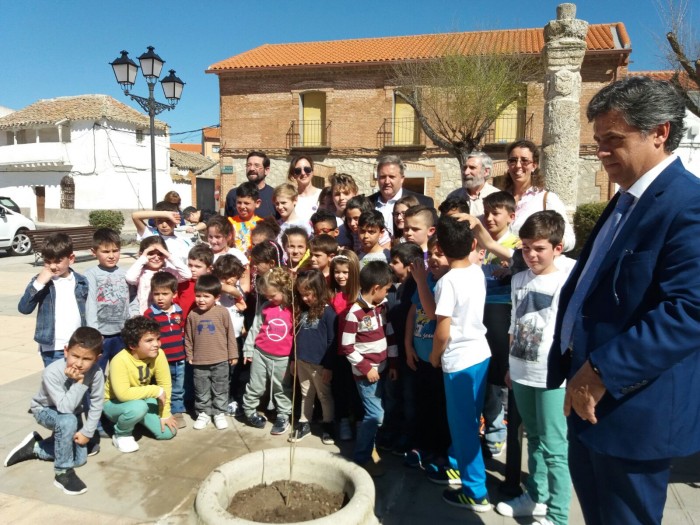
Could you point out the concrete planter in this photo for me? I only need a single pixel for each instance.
(265, 466)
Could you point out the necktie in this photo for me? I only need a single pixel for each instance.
(596, 258)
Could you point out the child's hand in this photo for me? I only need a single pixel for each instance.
(411, 358)
(507, 380)
(247, 360)
(174, 216)
(233, 361)
(393, 374)
(240, 306)
(435, 360)
(418, 269)
(44, 275)
(170, 423)
(189, 361)
(80, 439)
(74, 374)
(372, 376)
(327, 376)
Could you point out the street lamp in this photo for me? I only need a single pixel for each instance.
(125, 71)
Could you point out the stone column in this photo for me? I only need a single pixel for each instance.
(565, 46)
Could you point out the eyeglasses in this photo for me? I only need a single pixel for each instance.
(523, 162)
(307, 170)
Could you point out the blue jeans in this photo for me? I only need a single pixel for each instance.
(177, 375)
(60, 447)
(50, 357)
(464, 392)
(371, 396)
(493, 416)
(111, 346)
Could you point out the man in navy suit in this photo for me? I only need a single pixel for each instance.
(628, 329)
(390, 177)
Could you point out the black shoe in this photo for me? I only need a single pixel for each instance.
(70, 483)
(256, 421)
(93, 449)
(23, 451)
(281, 425)
(328, 434)
(302, 430)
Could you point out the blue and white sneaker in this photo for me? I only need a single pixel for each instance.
(443, 475)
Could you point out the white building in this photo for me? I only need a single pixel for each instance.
(82, 153)
(689, 149)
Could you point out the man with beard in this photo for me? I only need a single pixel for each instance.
(475, 186)
(257, 167)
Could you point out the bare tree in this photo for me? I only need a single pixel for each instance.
(684, 43)
(458, 97)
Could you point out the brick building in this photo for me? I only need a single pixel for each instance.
(335, 101)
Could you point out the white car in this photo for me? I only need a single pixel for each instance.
(13, 231)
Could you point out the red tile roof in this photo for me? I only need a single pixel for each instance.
(667, 75)
(212, 133)
(601, 37)
(192, 148)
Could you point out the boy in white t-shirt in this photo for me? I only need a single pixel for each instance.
(535, 296)
(460, 346)
(166, 217)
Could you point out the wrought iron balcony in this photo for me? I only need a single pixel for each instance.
(309, 134)
(509, 128)
(400, 132)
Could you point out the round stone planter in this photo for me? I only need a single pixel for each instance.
(331, 471)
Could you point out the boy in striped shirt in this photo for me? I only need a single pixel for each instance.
(368, 343)
(171, 322)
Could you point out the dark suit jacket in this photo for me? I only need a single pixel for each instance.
(422, 199)
(640, 325)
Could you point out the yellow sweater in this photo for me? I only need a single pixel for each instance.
(131, 378)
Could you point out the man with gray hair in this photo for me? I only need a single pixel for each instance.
(476, 173)
(390, 178)
(628, 328)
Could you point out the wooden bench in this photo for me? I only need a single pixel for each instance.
(80, 235)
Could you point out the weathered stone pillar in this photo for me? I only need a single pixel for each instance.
(565, 46)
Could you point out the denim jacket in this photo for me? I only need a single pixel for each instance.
(44, 334)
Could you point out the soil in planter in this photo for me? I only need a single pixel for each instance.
(268, 503)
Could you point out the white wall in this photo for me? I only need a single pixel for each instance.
(689, 150)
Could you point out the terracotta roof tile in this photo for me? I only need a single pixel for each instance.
(191, 148)
(212, 133)
(666, 75)
(81, 107)
(416, 47)
(190, 161)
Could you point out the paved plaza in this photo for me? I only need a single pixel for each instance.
(158, 483)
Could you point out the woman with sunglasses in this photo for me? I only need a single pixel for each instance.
(301, 173)
(525, 183)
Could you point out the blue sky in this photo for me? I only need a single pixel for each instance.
(57, 48)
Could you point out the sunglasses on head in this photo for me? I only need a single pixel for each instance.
(307, 170)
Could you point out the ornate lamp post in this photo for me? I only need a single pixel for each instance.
(125, 71)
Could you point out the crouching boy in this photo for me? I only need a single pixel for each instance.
(58, 406)
(131, 397)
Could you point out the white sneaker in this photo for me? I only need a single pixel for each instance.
(220, 422)
(521, 506)
(125, 444)
(202, 421)
(543, 521)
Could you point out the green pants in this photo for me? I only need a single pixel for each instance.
(126, 415)
(267, 369)
(549, 482)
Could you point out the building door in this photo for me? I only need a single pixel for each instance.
(205, 195)
(40, 192)
(405, 126)
(313, 128)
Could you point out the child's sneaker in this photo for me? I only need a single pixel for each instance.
(70, 483)
(202, 421)
(255, 421)
(457, 498)
(443, 475)
(93, 448)
(125, 444)
(300, 432)
(24, 451)
(327, 435)
(344, 430)
(281, 425)
(180, 420)
(220, 422)
(521, 506)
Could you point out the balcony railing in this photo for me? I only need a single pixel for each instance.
(509, 128)
(400, 132)
(309, 134)
(40, 155)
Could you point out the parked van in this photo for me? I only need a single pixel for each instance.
(13, 231)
